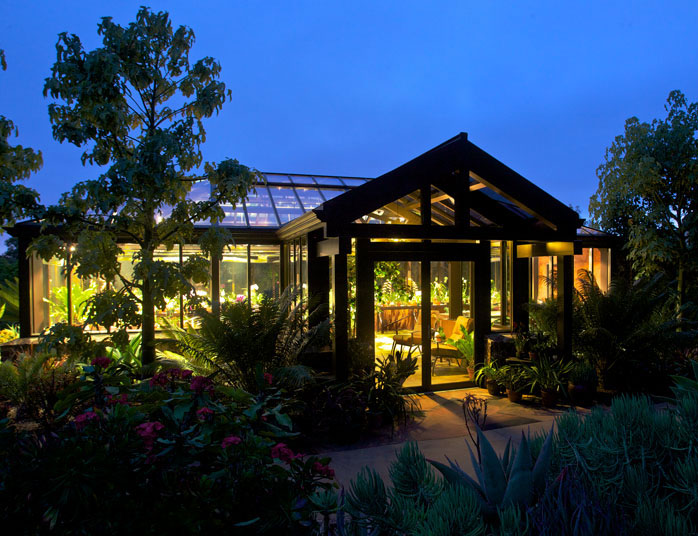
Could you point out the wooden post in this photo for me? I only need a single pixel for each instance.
(565, 288)
(481, 307)
(215, 284)
(25, 312)
(455, 289)
(425, 276)
(519, 291)
(318, 280)
(364, 293)
(341, 316)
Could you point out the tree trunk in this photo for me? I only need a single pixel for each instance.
(148, 324)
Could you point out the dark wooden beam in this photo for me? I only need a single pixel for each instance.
(425, 308)
(520, 291)
(24, 273)
(481, 300)
(318, 279)
(565, 290)
(364, 293)
(341, 317)
(455, 289)
(425, 205)
(547, 249)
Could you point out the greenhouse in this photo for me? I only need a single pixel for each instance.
(452, 238)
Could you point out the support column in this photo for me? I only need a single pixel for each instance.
(481, 300)
(25, 313)
(215, 284)
(455, 289)
(364, 293)
(318, 281)
(425, 276)
(565, 289)
(341, 316)
(519, 292)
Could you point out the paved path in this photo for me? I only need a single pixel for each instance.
(441, 432)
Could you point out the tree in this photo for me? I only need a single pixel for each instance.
(16, 163)
(648, 192)
(136, 105)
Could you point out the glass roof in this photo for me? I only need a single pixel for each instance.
(283, 198)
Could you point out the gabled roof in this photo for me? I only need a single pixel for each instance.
(457, 172)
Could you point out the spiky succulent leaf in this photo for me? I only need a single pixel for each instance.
(540, 469)
(519, 490)
(493, 476)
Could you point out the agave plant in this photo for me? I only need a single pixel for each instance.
(242, 343)
(512, 480)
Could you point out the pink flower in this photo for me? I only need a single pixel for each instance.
(199, 384)
(204, 413)
(323, 470)
(114, 400)
(285, 454)
(149, 432)
(240, 298)
(84, 419)
(185, 374)
(230, 440)
(160, 379)
(101, 362)
(268, 378)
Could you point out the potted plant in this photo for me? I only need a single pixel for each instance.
(547, 375)
(582, 384)
(514, 380)
(386, 396)
(522, 341)
(466, 347)
(491, 376)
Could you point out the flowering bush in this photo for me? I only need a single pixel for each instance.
(172, 454)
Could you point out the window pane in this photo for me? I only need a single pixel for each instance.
(272, 177)
(286, 203)
(200, 191)
(264, 272)
(259, 209)
(330, 194)
(310, 198)
(329, 181)
(234, 217)
(233, 276)
(302, 180)
(353, 182)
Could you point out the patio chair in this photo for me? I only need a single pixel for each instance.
(441, 351)
(413, 339)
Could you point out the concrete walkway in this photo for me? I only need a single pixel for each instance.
(441, 432)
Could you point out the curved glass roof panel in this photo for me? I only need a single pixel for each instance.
(329, 194)
(329, 181)
(286, 203)
(354, 182)
(302, 180)
(310, 197)
(277, 177)
(260, 211)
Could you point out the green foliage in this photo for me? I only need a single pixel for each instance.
(16, 163)
(195, 448)
(9, 299)
(512, 480)
(417, 503)
(547, 374)
(136, 105)
(32, 382)
(583, 373)
(465, 345)
(648, 192)
(386, 394)
(58, 303)
(242, 343)
(513, 377)
(628, 333)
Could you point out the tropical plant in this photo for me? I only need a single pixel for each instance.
(465, 345)
(79, 298)
(135, 105)
(629, 333)
(175, 437)
(417, 503)
(386, 394)
(9, 300)
(241, 343)
(547, 374)
(582, 373)
(515, 479)
(512, 377)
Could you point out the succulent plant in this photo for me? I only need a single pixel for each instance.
(512, 480)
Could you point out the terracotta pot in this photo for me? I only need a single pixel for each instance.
(514, 396)
(548, 397)
(533, 356)
(581, 395)
(471, 373)
(493, 388)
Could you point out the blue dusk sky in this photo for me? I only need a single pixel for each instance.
(358, 88)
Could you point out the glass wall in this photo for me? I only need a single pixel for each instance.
(500, 283)
(246, 272)
(544, 272)
(296, 265)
